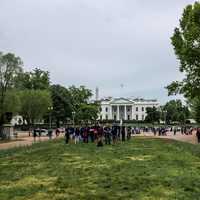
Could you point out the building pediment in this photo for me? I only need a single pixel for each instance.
(121, 101)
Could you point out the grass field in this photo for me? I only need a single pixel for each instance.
(139, 169)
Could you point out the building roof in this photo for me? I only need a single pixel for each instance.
(122, 100)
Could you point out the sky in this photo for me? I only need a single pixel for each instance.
(104, 43)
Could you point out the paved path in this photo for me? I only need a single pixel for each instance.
(22, 141)
(27, 141)
(184, 138)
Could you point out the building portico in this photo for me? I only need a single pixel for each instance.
(125, 109)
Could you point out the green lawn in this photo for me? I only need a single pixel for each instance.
(139, 169)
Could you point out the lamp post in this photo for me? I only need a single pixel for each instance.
(50, 110)
(73, 116)
(165, 116)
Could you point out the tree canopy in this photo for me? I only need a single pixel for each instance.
(186, 43)
(10, 67)
(175, 111)
(35, 80)
(34, 104)
(153, 115)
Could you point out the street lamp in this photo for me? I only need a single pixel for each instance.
(50, 109)
(73, 115)
(165, 116)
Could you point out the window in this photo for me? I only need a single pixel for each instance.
(142, 117)
(115, 117)
(136, 117)
(136, 109)
(128, 109)
(142, 109)
(106, 109)
(100, 109)
(128, 117)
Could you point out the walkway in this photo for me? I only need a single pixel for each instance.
(27, 141)
(22, 141)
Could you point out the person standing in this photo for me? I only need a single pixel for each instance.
(39, 133)
(34, 135)
(198, 135)
(107, 133)
(50, 132)
(128, 133)
(77, 135)
(123, 133)
(67, 135)
(57, 132)
(114, 134)
(175, 130)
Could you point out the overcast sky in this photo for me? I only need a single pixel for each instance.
(102, 43)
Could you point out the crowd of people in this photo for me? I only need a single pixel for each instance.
(112, 134)
(98, 134)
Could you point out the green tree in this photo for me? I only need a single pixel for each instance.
(175, 111)
(79, 95)
(88, 112)
(153, 115)
(195, 108)
(34, 104)
(61, 102)
(10, 67)
(186, 42)
(35, 80)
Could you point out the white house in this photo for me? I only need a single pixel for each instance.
(125, 108)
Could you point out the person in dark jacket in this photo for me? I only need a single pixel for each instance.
(123, 133)
(50, 133)
(35, 132)
(67, 135)
(198, 135)
(107, 135)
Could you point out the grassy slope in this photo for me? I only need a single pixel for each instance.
(140, 169)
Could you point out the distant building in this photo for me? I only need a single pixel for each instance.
(125, 108)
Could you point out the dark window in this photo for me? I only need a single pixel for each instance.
(136, 109)
(142, 109)
(115, 117)
(128, 117)
(136, 117)
(106, 109)
(100, 109)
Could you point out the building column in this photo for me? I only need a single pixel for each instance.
(117, 112)
(110, 113)
(125, 113)
(133, 117)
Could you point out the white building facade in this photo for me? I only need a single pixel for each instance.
(125, 108)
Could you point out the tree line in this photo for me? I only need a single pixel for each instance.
(31, 95)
